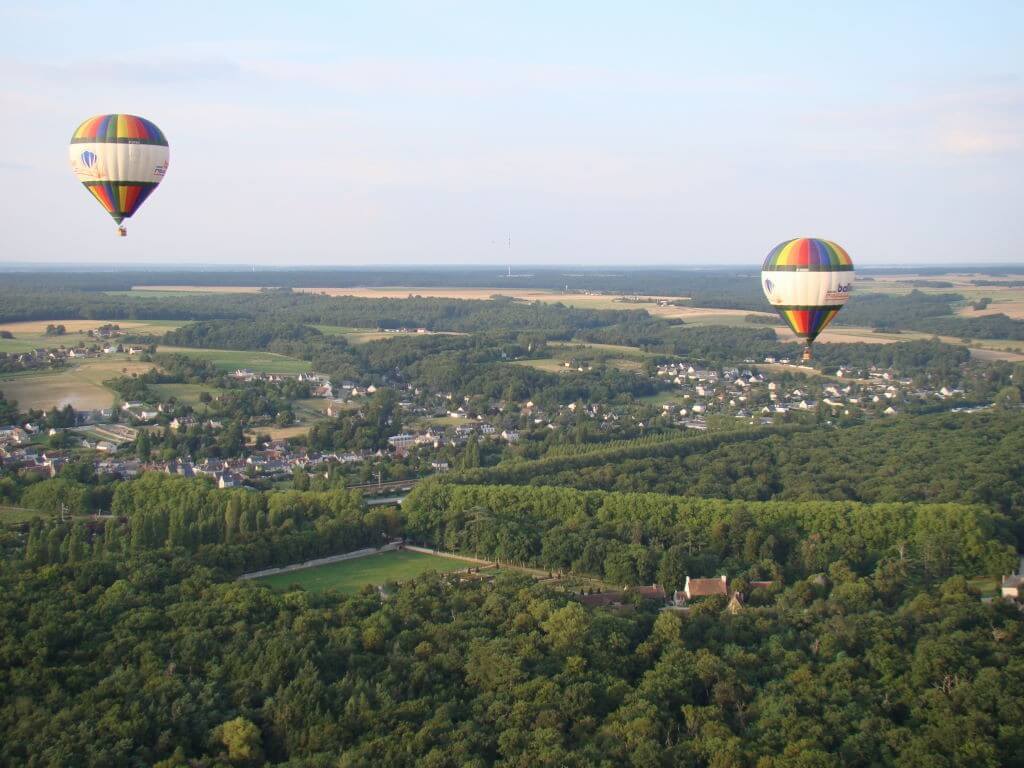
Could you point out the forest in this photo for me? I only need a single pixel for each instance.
(151, 659)
(976, 458)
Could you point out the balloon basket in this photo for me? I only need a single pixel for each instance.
(807, 354)
(122, 232)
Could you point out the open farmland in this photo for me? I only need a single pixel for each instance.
(80, 386)
(351, 575)
(1007, 298)
(172, 289)
(231, 359)
(31, 334)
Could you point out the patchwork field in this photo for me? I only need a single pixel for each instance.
(1006, 298)
(172, 289)
(231, 360)
(80, 386)
(981, 349)
(31, 334)
(351, 575)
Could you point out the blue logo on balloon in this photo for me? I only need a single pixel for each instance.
(768, 286)
(89, 159)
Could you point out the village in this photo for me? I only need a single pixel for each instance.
(692, 397)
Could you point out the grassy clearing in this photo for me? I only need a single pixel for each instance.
(673, 397)
(444, 421)
(984, 585)
(81, 386)
(230, 360)
(351, 575)
(183, 393)
(580, 346)
(277, 433)
(547, 364)
(19, 515)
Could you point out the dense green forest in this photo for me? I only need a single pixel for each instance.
(642, 538)
(151, 660)
(977, 458)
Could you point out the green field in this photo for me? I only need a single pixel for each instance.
(621, 349)
(79, 385)
(669, 396)
(183, 393)
(231, 360)
(547, 364)
(18, 515)
(351, 575)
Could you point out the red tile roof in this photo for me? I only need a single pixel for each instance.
(705, 587)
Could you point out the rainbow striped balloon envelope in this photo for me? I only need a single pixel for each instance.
(120, 159)
(808, 281)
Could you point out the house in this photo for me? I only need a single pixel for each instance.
(1012, 587)
(735, 604)
(402, 442)
(335, 408)
(702, 588)
(653, 592)
(602, 599)
(226, 480)
(439, 466)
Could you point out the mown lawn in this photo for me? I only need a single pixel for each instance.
(351, 575)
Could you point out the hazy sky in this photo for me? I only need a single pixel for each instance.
(593, 133)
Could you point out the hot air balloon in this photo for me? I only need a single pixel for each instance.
(808, 281)
(120, 159)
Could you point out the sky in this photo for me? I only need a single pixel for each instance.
(588, 133)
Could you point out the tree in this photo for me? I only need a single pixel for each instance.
(567, 627)
(143, 447)
(1008, 397)
(242, 739)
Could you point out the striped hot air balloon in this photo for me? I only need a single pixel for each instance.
(120, 159)
(808, 281)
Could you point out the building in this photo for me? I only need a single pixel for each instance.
(1012, 587)
(702, 588)
(402, 442)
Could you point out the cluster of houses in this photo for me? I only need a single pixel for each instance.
(276, 460)
(747, 394)
(694, 590)
(58, 355)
